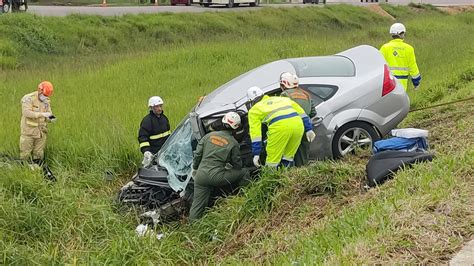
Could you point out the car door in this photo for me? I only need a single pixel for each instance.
(320, 93)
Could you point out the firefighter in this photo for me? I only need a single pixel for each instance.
(400, 57)
(286, 122)
(216, 164)
(154, 130)
(289, 85)
(36, 113)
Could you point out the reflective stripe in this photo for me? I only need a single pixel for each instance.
(401, 77)
(162, 135)
(144, 144)
(33, 124)
(415, 77)
(256, 139)
(400, 68)
(276, 110)
(303, 115)
(281, 117)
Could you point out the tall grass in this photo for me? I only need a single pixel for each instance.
(94, 34)
(104, 70)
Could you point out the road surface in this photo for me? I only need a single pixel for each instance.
(122, 10)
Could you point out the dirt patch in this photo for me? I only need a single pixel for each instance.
(453, 10)
(380, 11)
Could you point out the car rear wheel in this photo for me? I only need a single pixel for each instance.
(352, 137)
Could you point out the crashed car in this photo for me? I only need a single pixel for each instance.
(357, 101)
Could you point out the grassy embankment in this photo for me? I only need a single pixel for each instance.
(104, 70)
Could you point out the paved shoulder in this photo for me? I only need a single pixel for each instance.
(122, 10)
(465, 256)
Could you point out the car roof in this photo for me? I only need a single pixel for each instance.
(267, 76)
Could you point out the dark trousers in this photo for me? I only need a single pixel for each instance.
(302, 154)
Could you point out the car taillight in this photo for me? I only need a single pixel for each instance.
(389, 82)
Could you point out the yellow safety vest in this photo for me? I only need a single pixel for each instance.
(400, 57)
(271, 110)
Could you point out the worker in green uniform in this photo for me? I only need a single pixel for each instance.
(216, 164)
(289, 83)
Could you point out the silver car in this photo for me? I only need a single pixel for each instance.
(357, 101)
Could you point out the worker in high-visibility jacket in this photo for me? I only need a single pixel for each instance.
(289, 85)
(400, 57)
(154, 130)
(286, 122)
(36, 114)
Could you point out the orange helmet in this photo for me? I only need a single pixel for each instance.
(46, 88)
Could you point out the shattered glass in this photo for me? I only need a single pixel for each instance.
(177, 156)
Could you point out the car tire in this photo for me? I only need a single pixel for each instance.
(206, 5)
(353, 136)
(230, 4)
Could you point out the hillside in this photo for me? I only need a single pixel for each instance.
(104, 70)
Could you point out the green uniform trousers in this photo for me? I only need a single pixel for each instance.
(204, 185)
(302, 154)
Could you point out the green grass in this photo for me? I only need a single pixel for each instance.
(104, 70)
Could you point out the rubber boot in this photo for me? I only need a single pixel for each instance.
(47, 174)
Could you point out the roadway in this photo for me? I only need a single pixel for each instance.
(123, 10)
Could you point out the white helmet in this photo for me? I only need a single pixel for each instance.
(397, 29)
(155, 100)
(289, 80)
(232, 119)
(254, 92)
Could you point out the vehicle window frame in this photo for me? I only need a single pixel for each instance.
(313, 95)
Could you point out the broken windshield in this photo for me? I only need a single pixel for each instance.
(176, 156)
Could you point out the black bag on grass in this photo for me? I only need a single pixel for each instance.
(383, 164)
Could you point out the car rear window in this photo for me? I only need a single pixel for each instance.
(320, 92)
(323, 66)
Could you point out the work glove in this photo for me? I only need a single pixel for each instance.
(310, 135)
(256, 160)
(46, 114)
(147, 158)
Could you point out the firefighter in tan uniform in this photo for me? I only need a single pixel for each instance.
(36, 113)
